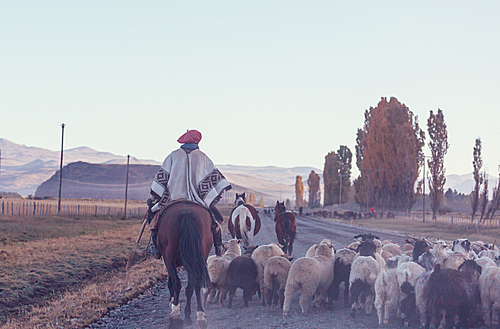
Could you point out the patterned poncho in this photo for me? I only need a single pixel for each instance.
(188, 175)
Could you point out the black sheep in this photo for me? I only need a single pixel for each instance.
(242, 273)
(455, 292)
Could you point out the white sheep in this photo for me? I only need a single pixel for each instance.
(311, 251)
(454, 260)
(364, 272)
(407, 247)
(217, 268)
(408, 274)
(420, 301)
(484, 262)
(260, 256)
(312, 275)
(386, 293)
(393, 248)
(489, 286)
(275, 275)
(489, 253)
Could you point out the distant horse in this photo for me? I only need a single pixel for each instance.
(185, 239)
(286, 228)
(244, 221)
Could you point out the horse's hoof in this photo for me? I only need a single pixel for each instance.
(176, 310)
(202, 322)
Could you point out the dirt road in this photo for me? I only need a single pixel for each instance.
(151, 309)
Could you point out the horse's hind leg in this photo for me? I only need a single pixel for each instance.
(187, 311)
(200, 312)
(174, 285)
(290, 248)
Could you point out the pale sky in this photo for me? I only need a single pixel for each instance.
(277, 83)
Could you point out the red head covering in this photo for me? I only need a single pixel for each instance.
(191, 136)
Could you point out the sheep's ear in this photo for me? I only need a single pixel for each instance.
(244, 248)
(290, 259)
(239, 241)
(466, 245)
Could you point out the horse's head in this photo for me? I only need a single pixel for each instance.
(280, 207)
(240, 199)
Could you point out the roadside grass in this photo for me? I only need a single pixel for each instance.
(68, 272)
(430, 228)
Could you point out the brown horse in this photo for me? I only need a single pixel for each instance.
(244, 221)
(185, 239)
(286, 228)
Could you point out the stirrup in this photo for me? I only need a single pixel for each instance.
(153, 251)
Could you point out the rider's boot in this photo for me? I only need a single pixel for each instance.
(154, 247)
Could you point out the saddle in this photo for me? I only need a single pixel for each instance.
(153, 225)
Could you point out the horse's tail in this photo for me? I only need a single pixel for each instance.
(287, 223)
(243, 226)
(191, 252)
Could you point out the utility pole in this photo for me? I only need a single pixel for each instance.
(60, 171)
(126, 188)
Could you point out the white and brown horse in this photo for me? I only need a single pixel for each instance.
(244, 221)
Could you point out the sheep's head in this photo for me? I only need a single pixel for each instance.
(325, 250)
(421, 246)
(366, 237)
(471, 268)
(367, 248)
(234, 245)
(461, 246)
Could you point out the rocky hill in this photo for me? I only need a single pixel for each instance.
(108, 181)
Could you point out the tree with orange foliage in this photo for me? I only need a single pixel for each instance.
(314, 189)
(299, 192)
(389, 156)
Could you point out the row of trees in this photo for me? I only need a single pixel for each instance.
(389, 156)
(479, 199)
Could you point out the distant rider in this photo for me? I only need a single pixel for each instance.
(188, 173)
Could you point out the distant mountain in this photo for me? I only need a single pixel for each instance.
(465, 183)
(25, 168)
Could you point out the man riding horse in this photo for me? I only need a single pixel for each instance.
(187, 174)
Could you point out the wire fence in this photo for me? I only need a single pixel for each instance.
(460, 220)
(48, 209)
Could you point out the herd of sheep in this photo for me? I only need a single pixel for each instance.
(423, 282)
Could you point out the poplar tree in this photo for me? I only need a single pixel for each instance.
(314, 189)
(299, 192)
(438, 143)
(330, 179)
(477, 164)
(344, 155)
